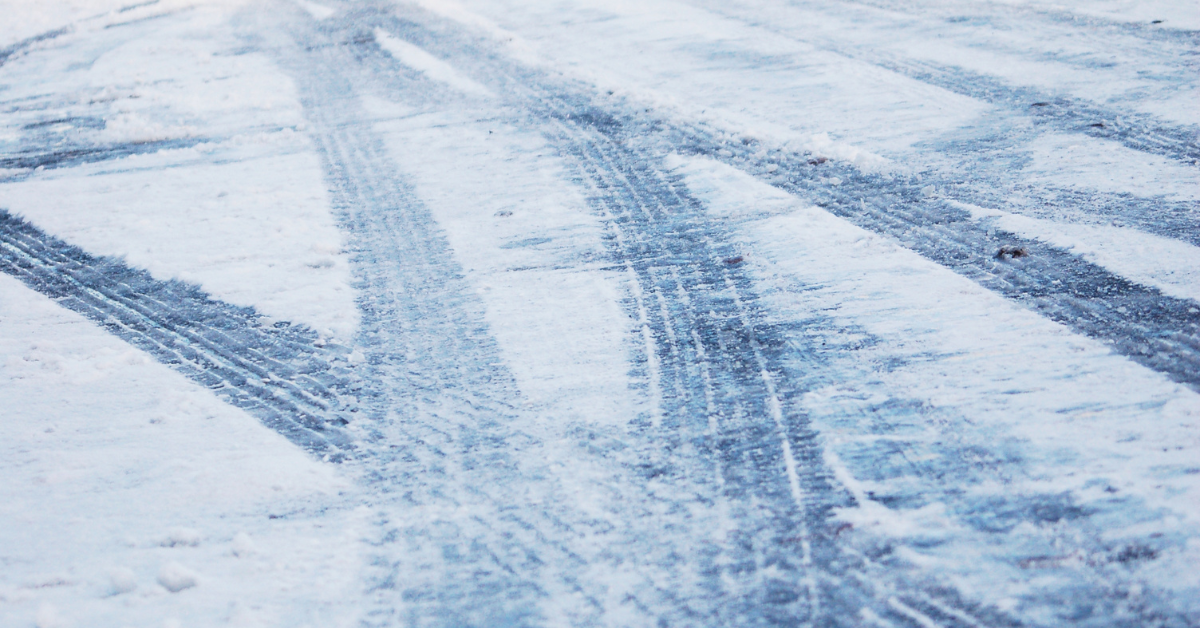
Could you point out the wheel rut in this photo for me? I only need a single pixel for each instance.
(282, 374)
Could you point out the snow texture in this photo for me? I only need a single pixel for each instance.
(599, 313)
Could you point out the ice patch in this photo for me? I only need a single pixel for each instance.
(429, 65)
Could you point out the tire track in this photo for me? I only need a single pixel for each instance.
(717, 368)
(20, 46)
(279, 374)
(1151, 32)
(985, 160)
(772, 476)
(80, 155)
(448, 434)
(1139, 131)
(1155, 330)
(616, 150)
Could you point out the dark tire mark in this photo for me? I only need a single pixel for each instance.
(1155, 330)
(279, 374)
(1138, 131)
(77, 156)
(139, 5)
(7, 53)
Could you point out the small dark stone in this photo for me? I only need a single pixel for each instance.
(1012, 252)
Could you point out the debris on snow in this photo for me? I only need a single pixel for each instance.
(1012, 252)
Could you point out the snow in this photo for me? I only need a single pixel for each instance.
(175, 577)
(1163, 263)
(429, 65)
(29, 18)
(1081, 162)
(1173, 15)
(318, 11)
(124, 482)
(519, 234)
(134, 496)
(1106, 65)
(694, 62)
(1080, 414)
(245, 213)
(255, 232)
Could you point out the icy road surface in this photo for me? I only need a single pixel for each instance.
(599, 313)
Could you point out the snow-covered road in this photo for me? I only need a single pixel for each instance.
(599, 313)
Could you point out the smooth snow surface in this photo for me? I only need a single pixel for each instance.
(599, 313)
